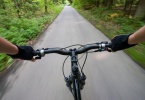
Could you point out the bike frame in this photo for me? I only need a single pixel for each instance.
(75, 76)
(76, 81)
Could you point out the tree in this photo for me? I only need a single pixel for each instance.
(70, 1)
(2, 4)
(63, 1)
(109, 3)
(55, 1)
(128, 5)
(97, 3)
(105, 3)
(17, 8)
(140, 13)
(46, 7)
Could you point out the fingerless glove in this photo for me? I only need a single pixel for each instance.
(120, 42)
(25, 53)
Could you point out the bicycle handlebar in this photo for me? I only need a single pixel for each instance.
(103, 46)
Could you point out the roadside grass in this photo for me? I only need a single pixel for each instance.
(113, 22)
(22, 31)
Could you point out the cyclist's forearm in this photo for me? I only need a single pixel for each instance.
(137, 37)
(7, 47)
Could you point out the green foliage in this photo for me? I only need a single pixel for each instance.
(78, 4)
(128, 25)
(113, 22)
(137, 54)
(22, 30)
(5, 62)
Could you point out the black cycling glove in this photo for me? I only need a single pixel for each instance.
(25, 53)
(120, 42)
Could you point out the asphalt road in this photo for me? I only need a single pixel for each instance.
(110, 76)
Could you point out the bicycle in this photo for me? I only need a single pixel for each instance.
(76, 80)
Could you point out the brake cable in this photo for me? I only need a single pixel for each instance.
(63, 66)
(81, 68)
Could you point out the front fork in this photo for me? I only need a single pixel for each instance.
(81, 78)
(75, 72)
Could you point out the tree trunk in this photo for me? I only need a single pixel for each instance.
(104, 3)
(63, 2)
(70, 1)
(126, 4)
(109, 3)
(46, 7)
(2, 4)
(140, 13)
(131, 3)
(17, 8)
(98, 3)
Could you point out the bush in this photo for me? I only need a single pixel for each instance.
(22, 30)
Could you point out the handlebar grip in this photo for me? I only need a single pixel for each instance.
(109, 45)
(35, 53)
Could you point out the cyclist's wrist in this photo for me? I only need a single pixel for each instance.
(130, 38)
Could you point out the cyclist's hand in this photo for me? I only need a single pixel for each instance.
(25, 53)
(120, 42)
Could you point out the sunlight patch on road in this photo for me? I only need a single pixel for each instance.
(102, 55)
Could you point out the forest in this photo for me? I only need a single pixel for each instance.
(115, 17)
(24, 20)
(129, 7)
(21, 21)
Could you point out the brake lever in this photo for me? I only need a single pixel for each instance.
(109, 50)
(37, 54)
(99, 50)
(37, 58)
(106, 49)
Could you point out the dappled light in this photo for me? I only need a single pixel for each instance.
(102, 56)
(54, 26)
(114, 17)
(21, 22)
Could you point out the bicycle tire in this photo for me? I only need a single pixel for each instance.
(76, 90)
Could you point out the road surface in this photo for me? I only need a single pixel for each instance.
(110, 76)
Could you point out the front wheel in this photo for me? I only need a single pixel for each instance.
(76, 90)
